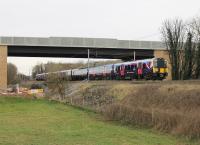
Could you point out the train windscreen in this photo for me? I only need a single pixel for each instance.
(160, 63)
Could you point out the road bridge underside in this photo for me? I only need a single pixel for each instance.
(76, 52)
(70, 52)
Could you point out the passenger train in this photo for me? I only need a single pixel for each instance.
(149, 69)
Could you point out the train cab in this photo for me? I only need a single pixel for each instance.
(160, 70)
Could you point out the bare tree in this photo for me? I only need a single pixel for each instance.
(183, 44)
(38, 69)
(195, 25)
(197, 62)
(22, 77)
(188, 57)
(57, 86)
(173, 34)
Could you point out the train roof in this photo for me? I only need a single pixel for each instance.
(116, 64)
(128, 62)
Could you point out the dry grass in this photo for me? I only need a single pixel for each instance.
(170, 107)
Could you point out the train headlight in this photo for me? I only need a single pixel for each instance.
(155, 70)
(166, 70)
(162, 70)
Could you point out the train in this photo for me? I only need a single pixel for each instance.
(148, 69)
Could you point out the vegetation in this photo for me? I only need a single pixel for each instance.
(13, 76)
(167, 106)
(182, 41)
(12, 73)
(39, 122)
(172, 108)
(57, 87)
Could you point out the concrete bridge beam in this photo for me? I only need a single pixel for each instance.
(3, 66)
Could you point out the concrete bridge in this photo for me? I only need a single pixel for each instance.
(74, 47)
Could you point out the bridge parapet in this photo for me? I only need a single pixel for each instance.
(81, 42)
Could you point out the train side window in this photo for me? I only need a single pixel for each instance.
(117, 68)
(144, 65)
(133, 67)
(127, 67)
(113, 66)
(122, 67)
(139, 65)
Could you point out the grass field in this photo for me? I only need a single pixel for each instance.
(40, 122)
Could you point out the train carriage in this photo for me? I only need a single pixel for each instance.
(149, 69)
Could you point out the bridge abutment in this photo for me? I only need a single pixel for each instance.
(164, 54)
(3, 66)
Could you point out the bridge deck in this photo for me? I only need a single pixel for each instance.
(81, 42)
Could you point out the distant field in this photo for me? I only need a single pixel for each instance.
(39, 122)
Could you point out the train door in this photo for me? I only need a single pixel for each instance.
(112, 72)
(122, 71)
(147, 72)
(128, 71)
(139, 70)
(117, 74)
(144, 69)
(134, 70)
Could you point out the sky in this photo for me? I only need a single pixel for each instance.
(120, 19)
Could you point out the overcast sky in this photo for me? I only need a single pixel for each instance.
(121, 19)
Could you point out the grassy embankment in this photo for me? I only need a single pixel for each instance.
(168, 106)
(40, 122)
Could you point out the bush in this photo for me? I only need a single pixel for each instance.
(57, 87)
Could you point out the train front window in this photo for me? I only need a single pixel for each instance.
(160, 63)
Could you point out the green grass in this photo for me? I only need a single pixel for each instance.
(40, 122)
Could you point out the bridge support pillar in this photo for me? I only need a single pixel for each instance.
(3, 66)
(164, 54)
